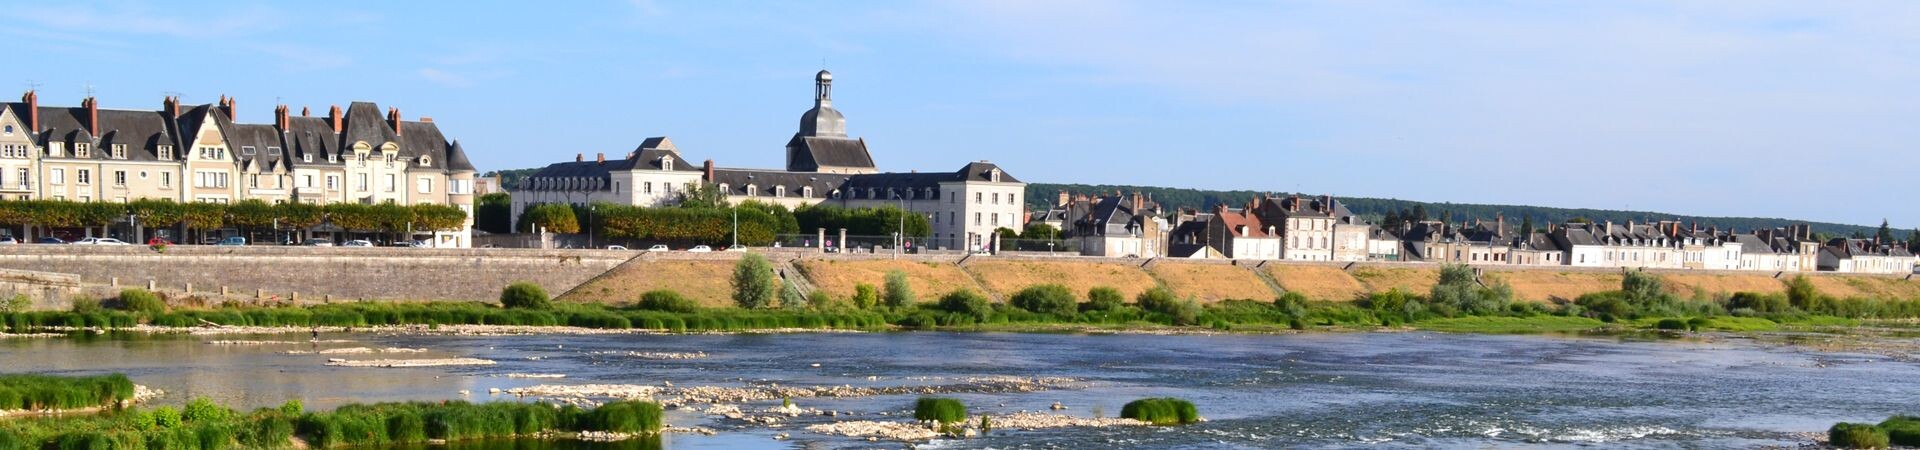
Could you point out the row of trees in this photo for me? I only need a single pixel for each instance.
(251, 213)
(701, 215)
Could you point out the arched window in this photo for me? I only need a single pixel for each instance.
(780, 191)
(806, 192)
(724, 190)
(994, 175)
(426, 160)
(666, 163)
(753, 190)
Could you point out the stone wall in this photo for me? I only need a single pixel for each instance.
(46, 290)
(316, 272)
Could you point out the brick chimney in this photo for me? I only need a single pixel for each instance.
(1063, 199)
(281, 118)
(1137, 203)
(600, 158)
(426, 119)
(170, 105)
(1295, 205)
(1499, 223)
(93, 116)
(579, 157)
(393, 118)
(333, 117)
(304, 112)
(33, 110)
(226, 106)
(708, 168)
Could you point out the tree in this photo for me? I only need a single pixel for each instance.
(899, 294)
(493, 213)
(865, 296)
(1885, 235)
(204, 216)
(1526, 226)
(1419, 213)
(1913, 240)
(300, 216)
(1052, 299)
(250, 213)
(701, 194)
(1040, 231)
(1006, 233)
(352, 216)
(431, 217)
(554, 217)
(753, 282)
(525, 295)
(156, 213)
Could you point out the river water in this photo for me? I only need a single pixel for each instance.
(1329, 390)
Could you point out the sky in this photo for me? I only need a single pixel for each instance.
(1743, 108)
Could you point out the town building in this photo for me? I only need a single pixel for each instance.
(824, 165)
(1865, 256)
(200, 153)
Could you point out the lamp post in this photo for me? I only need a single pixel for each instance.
(736, 226)
(902, 232)
(589, 225)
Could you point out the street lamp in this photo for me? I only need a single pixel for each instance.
(589, 225)
(736, 226)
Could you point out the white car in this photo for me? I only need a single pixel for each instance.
(8, 240)
(357, 243)
(700, 249)
(99, 241)
(616, 247)
(659, 248)
(735, 249)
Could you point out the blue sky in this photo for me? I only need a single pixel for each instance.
(1750, 108)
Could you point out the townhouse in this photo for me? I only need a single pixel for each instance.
(201, 153)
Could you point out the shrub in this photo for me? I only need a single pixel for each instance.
(292, 407)
(943, 410)
(865, 296)
(899, 293)
(141, 301)
(1857, 435)
(1293, 303)
(1102, 298)
(624, 417)
(1051, 299)
(86, 305)
(819, 299)
(202, 409)
(1161, 411)
(268, 429)
(1672, 324)
(753, 283)
(1759, 303)
(1460, 292)
(1157, 299)
(1902, 430)
(25, 391)
(525, 295)
(667, 300)
(964, 301)
(790, 296)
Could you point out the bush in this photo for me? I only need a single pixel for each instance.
(965, 301)
(1293, 303)
(86, 305)
(1051, 299)
(667, 300)
(1857, 435)
(1672, 324)
(865, 296)
(1157, 299)
(624, 417)
(1902, 430)
(141, 301)
(24, 391)
(1459, 292)
(1102, 298)
(899, 293)
(524, 295)
(753, 283)
(202, 409)
(943, 410)
(1161, 411)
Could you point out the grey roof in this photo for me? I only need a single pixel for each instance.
(981, 170)
(312, 136)
(188, 125)
(1538, 241)
(737, 180)
(263, 139)
(810, 153)
(423, 139)
(365, 123)
(457, 158)
(63, 125)
(142, 131)
(574, 176)
(823, 120)
(649, 158)
(1108, 216)
(1753, 245)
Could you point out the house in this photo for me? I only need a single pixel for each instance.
(1305, 227)
(824, 165)
(1865, 256)
(1536, 249)
(1243, 235)
(1383, 245)
(1118, 226)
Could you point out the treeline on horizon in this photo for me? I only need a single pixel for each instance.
(1041, 196)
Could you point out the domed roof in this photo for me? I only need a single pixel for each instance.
(823, 120)
(823, 76)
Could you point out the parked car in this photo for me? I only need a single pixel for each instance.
(157, 241)
(700, 249)
(319, 243)
(419, 244)
(49, 240)
(233, 241)
(100, 241)
(735, 249)
(659, 248)
(210, 240)
(616, 247)
(8, 240)
(358, 243)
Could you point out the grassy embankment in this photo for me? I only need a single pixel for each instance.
(203, 425)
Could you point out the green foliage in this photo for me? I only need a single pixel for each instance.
(493, 213)
(938, 409)
(292, 407)
(300, 215)
(1161, 301)
(27, 391)
(141, 301)
(1902, 430)
(86, 305)
(1759, 303)
(202, 409)
(16, 303)
(433, 217)
(790, 296)
(967, 302)
(865, 296)
(525, 295)
(694, 225)
(624, 417)
(753, 282)
(701, 195)
(899, 294)
(666, 300)
(1046, 299)
(1102, 298)
(1672, 324)
(554, 217)
(1801, 294)
(1458, 292)
(1161, 411)
(881, 221)
(156, 213)
(1857, 435)
(250, 213)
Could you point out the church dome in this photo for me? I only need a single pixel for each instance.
(823, 120)
(823, 76)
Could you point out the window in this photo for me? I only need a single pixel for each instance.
(460, 187)
(426, 160)
(83, 176)
(723, 189)
(994, 175)
(977, 198)
(806, 192)
(425, 184)
(996, 198)
(118, 151)
(9, 130)
(166, 179)
(333, 182)
(166, 152)
(753, 190)
(646, 188)
(306, 181)
(82, 150)
(996, 219)
(950, 219)
(390, 184)
(780, 191)
(976, 219)
(23, 178)
(307, 158)
(360, 182)
(666, 163)
(119, 178)
(253, 181)
(53, 148)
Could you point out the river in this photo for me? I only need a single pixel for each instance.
(1327, 390)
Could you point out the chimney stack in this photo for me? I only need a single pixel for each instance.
(304, 112)
(1137, 203)
(1063, 199)
(226, 106)
(708, 168)
(1500, 223)
(33, 110)
(333, 117)
(171, 106)
(281, 118)
(393, 117)
(1609, 229)
(426, 119)
(600, 158)
(579, 157)
(93, 116)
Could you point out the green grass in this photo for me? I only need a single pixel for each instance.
(1857, 435)
(1902, 430)
(1510, 325)
(1739, 324)
(943, 410)
(36, 392)
(1161, 411)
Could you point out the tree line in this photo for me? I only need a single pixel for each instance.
(700, 215)
(250, 213)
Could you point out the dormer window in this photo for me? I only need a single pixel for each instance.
(307, 158)
(247, 150)
(724, 189)
(666, 163)
(780, 191)
(994, 175)
(426, 161)
(166, 152)
(118, 151)
(82, 150)
(806, 192)
(753, 190)
(55, 149)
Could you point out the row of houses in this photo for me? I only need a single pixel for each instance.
(202, 153)
(824, 165)
(1296, 228)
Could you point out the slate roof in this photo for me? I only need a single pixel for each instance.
(365, 123)
(1110, 215)
(63, 125)
(265, 141)
(737, 181)
(810, 153)
(1753, 245)
(457, 158)
(142, 131)
(312, 135)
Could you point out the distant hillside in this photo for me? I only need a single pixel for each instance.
(511, 177)
(1042, 195)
